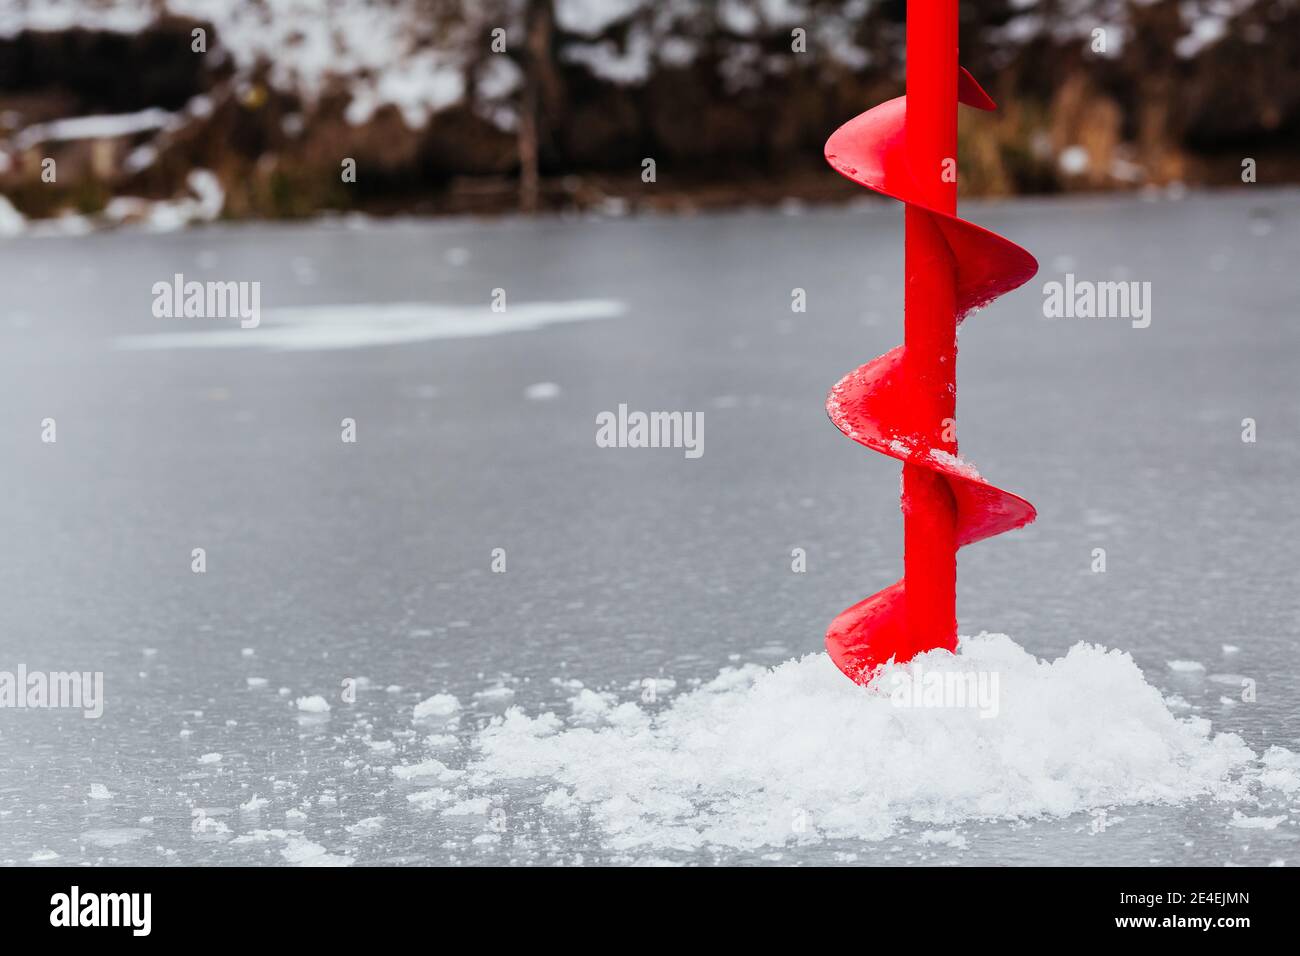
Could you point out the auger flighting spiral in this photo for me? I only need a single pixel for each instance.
(903, 403)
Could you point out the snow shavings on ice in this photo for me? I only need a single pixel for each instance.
(303, 852)
(300, 851)
(439, 705)
(945, 837)
(366, 827)
(759, 757)
(425, 768)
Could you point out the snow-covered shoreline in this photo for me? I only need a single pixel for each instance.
(422, 93)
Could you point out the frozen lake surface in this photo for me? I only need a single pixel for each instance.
(636, 577)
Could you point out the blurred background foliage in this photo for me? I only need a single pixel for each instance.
(480, 106)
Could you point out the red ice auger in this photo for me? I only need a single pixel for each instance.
(903, 404)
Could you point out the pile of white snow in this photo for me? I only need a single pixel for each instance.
(797, 753)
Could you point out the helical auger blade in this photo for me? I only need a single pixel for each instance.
(869, 404)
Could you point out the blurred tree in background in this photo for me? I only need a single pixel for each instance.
(491, 105)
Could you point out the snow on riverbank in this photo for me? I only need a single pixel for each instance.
(398, 53)
(203, 203)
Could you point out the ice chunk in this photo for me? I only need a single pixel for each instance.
(439, 705)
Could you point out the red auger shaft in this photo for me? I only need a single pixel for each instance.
(930, 325)
(903, 404)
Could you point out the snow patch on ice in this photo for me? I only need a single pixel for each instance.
(113, 836)
(1239, 819)
(320, 327)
